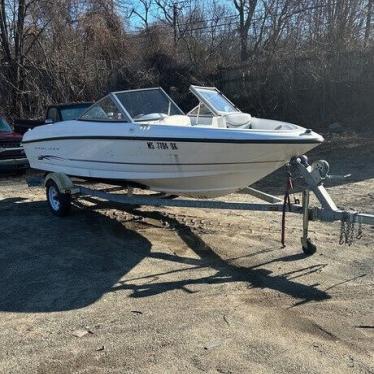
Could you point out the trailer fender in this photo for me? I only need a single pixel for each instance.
(63, 182)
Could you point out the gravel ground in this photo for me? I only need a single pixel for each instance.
(187, 291)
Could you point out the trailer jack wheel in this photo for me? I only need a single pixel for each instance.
(59, 203)
(308, 247)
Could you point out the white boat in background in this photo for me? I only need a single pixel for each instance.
(143, 137)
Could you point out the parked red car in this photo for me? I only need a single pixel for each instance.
(12, 155)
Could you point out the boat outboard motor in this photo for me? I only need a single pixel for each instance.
(238, 120)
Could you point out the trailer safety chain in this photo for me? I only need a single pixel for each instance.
(348, 228)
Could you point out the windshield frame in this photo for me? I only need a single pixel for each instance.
(116, 102)
(195, 91)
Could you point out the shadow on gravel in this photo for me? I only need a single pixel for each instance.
(52, 264)
(226, 272)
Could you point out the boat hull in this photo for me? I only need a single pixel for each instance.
(197, 166)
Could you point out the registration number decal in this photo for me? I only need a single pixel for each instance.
(162, 145)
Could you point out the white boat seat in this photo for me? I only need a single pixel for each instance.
(177, 119)
(164, 119)
(238, 120)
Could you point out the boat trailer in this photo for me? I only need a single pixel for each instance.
(61, 190)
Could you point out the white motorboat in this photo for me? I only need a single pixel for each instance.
(143, 137)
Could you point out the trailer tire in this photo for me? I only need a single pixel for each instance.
(59, 203)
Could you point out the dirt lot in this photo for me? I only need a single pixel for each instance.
(186, 291)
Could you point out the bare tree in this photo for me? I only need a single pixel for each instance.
(66, 50)
(12, 40)
(246, 10)
(143, 13)
(368, 20)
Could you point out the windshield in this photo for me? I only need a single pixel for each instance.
(4, 127)
(140, 103)
(216, 100)
(68, 114)
(104, 110)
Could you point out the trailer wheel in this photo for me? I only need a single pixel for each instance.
(59, 203)
(309, 248)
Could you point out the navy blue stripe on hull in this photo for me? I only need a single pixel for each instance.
(183, 140)
(49, 157)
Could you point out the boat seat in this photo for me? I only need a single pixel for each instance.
(177, 119)
(164, 119)
(238, 120)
